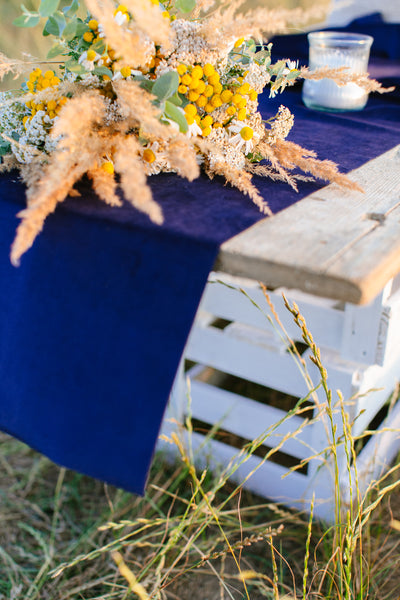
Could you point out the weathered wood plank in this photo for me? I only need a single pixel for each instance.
(333, 243)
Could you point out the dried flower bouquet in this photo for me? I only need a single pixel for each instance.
(147, 87)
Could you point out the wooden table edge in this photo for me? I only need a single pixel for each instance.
(232, 259)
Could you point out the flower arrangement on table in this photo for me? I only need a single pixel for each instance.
(147, 87)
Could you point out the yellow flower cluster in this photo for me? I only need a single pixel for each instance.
(92, 36)
(202, 87)
(36, 83)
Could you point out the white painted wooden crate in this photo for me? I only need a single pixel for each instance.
(234, 348)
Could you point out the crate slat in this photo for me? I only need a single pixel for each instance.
(248, 418)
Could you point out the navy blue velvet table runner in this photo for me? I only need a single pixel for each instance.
(94, 321)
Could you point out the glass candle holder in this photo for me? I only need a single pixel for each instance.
(336, 49)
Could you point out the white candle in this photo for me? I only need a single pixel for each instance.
(334, 49)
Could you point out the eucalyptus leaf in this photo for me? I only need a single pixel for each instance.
(146, 84)
(81, 28)
(98, 47)
(56, 50)
(262, 54)
(70, 10)
(5, 149)
(69, 31)
(26, 21)
(74, 67)
(5, 146)
(48, 7)
(176, 114)
(185, 6)
(176, 99)
(103, 71)
(166, 86)
(55, 25)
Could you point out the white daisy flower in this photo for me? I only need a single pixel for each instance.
(193, 130)
(291, 65)
(89, 59)
(243, 138)
(155, 159)
(121, 18)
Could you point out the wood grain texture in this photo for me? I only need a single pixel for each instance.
(333, 243)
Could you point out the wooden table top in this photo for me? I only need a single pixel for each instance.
(333, 243)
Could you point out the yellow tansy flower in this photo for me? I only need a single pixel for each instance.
(108, 167)
(208, 69)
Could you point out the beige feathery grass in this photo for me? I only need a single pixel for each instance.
(126, 45)
(274, 172)
(138, 110)
(77, 153)
(13, 66)
(131, 45)
(290, 155)
(133, 177)
(227, 23)
(105, 185)
(342, 76)
(241, 180)
(182, 158)
(151, 21)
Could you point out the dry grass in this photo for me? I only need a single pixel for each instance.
(51, 518)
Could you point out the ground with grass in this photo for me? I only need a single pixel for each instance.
(61, 531)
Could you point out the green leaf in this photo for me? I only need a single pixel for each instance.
(176, 114)
(81, 28)
(69, 31)
(5, 150)
(73, 66)
(185, 6)
(56, 50)
(26, 21)
(261, 54)
(98, 47)
(251, 46)
(48, 7)
(176, 99)
(166, 86)
(55, 25)
(293, 74)
(70, 10)
(103, 71)
(5, 146)
(144, 83)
